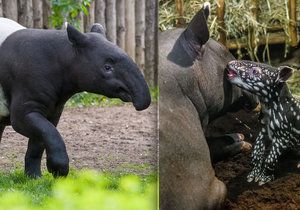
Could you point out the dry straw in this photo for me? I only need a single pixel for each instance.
(242, 26)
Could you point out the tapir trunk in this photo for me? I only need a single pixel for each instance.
(137, 87)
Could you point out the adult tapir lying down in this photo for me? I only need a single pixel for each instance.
(41, 69)
(193, 92)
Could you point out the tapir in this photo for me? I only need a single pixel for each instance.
(193, 92)
(41, 69)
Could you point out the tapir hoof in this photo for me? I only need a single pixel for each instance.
(34, 174)
(238, 137)
(217, 194)
(246, 147)
(58, 167)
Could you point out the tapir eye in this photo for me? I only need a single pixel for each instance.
(108, 67)
(256, 70)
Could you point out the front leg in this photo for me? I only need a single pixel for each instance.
(33, 158)
(35, 126)
(257, 155)
(270, 162)
(36, 149)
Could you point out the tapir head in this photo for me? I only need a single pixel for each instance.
(102, 67)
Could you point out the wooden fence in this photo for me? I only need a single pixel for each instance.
(131, 24)
(274, 38)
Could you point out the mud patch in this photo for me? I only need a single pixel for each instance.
(283, 193)
(115, 139)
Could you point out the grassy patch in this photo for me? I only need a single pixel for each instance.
(91, 99)
(80, 190)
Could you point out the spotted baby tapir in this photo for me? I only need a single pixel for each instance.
(281, 113)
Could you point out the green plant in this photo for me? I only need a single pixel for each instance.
(84, 189)
(67, 11)
(91, 99)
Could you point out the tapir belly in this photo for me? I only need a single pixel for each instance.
(7, 27)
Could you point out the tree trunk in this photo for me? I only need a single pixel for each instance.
(46, 13)
(10, 9)
(110, 17)
(1, 10)
(25, 13)
(37, 13)
(180, 10)
(81, 19)
(140, 32)
(151, 52)
(121, 23)
(100, 12)
(90, 19)
(130, 27)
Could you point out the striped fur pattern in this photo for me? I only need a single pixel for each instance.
(281, 113)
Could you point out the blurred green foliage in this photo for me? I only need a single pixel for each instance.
(67, 11)
(80, 190)
(91, 99)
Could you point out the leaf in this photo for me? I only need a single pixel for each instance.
(85, 10)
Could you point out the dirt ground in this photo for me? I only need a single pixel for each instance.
(114, 139)
(283, 193)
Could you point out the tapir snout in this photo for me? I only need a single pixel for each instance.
(139, 89)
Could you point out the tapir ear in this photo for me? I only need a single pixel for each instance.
(76, 37)
(285, 72)
(206, 8)
(186, 47)
(98, 28)
(197, 28)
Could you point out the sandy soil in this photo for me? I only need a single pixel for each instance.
(116, 139)
(283, 193)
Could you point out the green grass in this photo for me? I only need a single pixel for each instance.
(80, 190)
(91, 99)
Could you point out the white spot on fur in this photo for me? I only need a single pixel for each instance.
(4, 112)
(265, 92)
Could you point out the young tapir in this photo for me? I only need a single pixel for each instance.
(193, 92)
(41, 69)
(281, 113)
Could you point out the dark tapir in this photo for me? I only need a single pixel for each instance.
(193, 92)
(41, 69)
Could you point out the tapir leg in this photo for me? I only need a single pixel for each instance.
(222, 147)
(34, 125)
(33, 158)
(187, 179)
(36, 149)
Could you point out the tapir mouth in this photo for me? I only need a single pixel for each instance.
(231, 74)
(124, 95)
